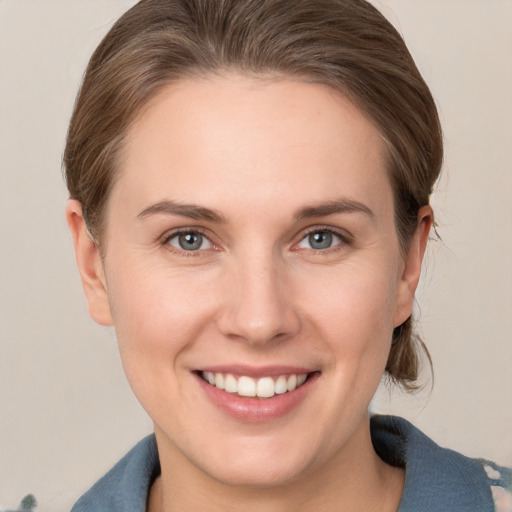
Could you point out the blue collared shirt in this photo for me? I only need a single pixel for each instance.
(436, 479)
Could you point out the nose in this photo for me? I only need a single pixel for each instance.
(258, 307)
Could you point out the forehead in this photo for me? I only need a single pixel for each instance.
(251, 141)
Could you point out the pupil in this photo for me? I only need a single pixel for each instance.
(320, 240)
(190, 241)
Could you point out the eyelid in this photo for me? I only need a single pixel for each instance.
(168, 235)
(346, 238)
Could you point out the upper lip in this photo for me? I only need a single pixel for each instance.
(256, 371)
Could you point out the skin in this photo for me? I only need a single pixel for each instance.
(257, 293)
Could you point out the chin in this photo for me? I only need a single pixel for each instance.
(255, 461)
(265, 473)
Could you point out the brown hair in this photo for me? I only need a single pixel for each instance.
(346, 44)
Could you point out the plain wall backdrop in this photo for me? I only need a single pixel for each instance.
(66, 411)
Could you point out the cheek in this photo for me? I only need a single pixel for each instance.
(157, 316)
(353, 308)
(157, 320)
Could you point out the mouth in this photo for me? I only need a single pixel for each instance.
(249, 387)
(257, 395)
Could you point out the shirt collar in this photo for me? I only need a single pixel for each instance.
(436, 479)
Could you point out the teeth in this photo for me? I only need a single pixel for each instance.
(230, 384)
(265, 387)
(291, 383)
(301, 379)
(280, 386)
(246, 386)
(219, 380)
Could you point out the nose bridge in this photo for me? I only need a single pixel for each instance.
(259, 308)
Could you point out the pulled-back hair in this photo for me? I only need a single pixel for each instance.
(345, 44)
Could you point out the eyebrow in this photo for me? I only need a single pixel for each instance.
(342, 205)
(191, 211)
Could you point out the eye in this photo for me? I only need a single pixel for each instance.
(189, 241)
(320, 240)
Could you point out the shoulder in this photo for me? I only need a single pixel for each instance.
(439, 479)
(125, 487)
(500, 483)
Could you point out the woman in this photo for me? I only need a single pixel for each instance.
(249, 205)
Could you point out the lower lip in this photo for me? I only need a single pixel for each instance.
(257, 410)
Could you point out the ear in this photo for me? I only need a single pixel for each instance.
(412, 266)
(89, 264)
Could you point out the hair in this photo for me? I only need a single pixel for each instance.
(345, 44)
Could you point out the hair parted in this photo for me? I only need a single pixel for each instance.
(345, 44)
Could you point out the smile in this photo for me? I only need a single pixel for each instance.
(264, 387)
(257, 395)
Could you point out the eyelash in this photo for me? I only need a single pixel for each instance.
(346, 240)
(165, 241)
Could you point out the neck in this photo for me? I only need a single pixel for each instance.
(354, 479)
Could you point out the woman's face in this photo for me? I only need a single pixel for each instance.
(250, 241)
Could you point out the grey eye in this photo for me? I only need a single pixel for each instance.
(319, 240)
(190, 241)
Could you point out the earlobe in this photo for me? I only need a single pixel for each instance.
(412, 266)
(89, 263)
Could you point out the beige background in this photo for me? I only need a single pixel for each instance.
(66, 412)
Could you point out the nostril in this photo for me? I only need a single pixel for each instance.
(272, 327)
